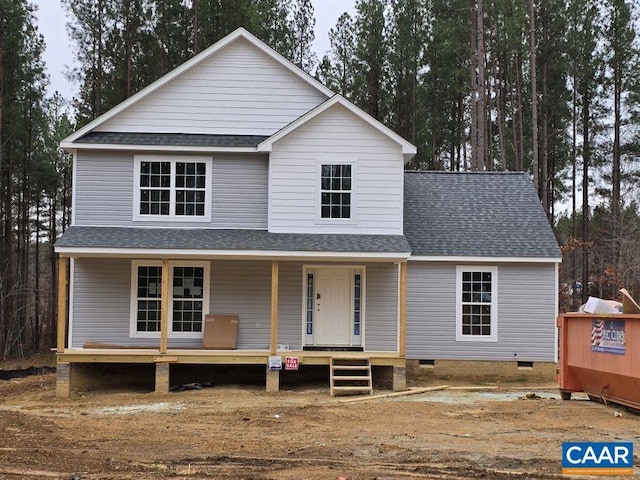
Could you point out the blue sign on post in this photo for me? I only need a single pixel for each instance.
(597, 458)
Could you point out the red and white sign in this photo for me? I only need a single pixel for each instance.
(291, 363)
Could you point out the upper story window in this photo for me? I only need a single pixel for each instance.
(335, 191)
(176, 188)
(477, 309)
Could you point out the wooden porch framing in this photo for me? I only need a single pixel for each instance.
(162, 356)
(218, 357)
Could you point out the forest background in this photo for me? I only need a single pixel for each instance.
(549, 87)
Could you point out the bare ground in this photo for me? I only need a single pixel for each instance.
(238, 432)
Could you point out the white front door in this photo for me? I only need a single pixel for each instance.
(332, 303)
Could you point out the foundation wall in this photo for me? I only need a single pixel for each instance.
(481, 370)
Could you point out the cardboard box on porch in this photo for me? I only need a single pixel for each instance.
(220, 332)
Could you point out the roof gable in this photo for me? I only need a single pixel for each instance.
(270, 91)
(476, 214)
(408, 149)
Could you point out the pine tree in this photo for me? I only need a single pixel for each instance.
(478, 87)
(371, 57)
(586, 70)
(174, 32)
(619, 37)
(89, 29)
(124, 49)
(408, 33)
(336, 70)
(555, 99)
(22, 89)
(272, 25)
(302, 26)
(444, 88)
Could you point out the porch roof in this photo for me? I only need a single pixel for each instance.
(182, 241)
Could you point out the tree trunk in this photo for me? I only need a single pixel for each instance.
(2, 267)
(482, 89)
(586, 158)
(545, 180)
(500, 109)
(37, 325)
(518, 118)
(615, 169)
(473, 126)
(534, 98)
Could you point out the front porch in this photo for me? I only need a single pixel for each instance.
(164, 363)
(282, 339)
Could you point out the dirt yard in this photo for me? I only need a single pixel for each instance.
(235, 432)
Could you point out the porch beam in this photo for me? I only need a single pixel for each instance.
(164, 307)
(402, 298)
(62, 303)
(274, 307)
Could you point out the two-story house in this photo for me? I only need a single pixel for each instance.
(238, 185)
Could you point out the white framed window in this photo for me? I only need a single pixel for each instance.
(476, 303)
(336, 199)
(172, 187)
(188, 300)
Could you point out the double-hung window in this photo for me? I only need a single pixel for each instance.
(176, 188)
(188, 300)
(336, 195)
(476, 303)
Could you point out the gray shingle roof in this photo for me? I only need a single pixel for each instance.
(172, 139)
(476, 214)
(210, 239)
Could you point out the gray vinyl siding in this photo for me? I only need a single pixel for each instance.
(526, 314)
(101, 304)
(239, 90)
(244, 289)
(101, 301)
(290, 304)
(240, 192)
(381, 308)
(336, 136)
(104, 192)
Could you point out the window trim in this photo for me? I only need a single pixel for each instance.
(173, 160)
(133, 312)
(319, 220)
(460, 337)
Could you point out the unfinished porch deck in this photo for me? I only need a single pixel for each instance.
(71, 362)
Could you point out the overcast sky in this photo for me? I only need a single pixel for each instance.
(59, 55)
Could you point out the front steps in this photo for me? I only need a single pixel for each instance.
(350, 375)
